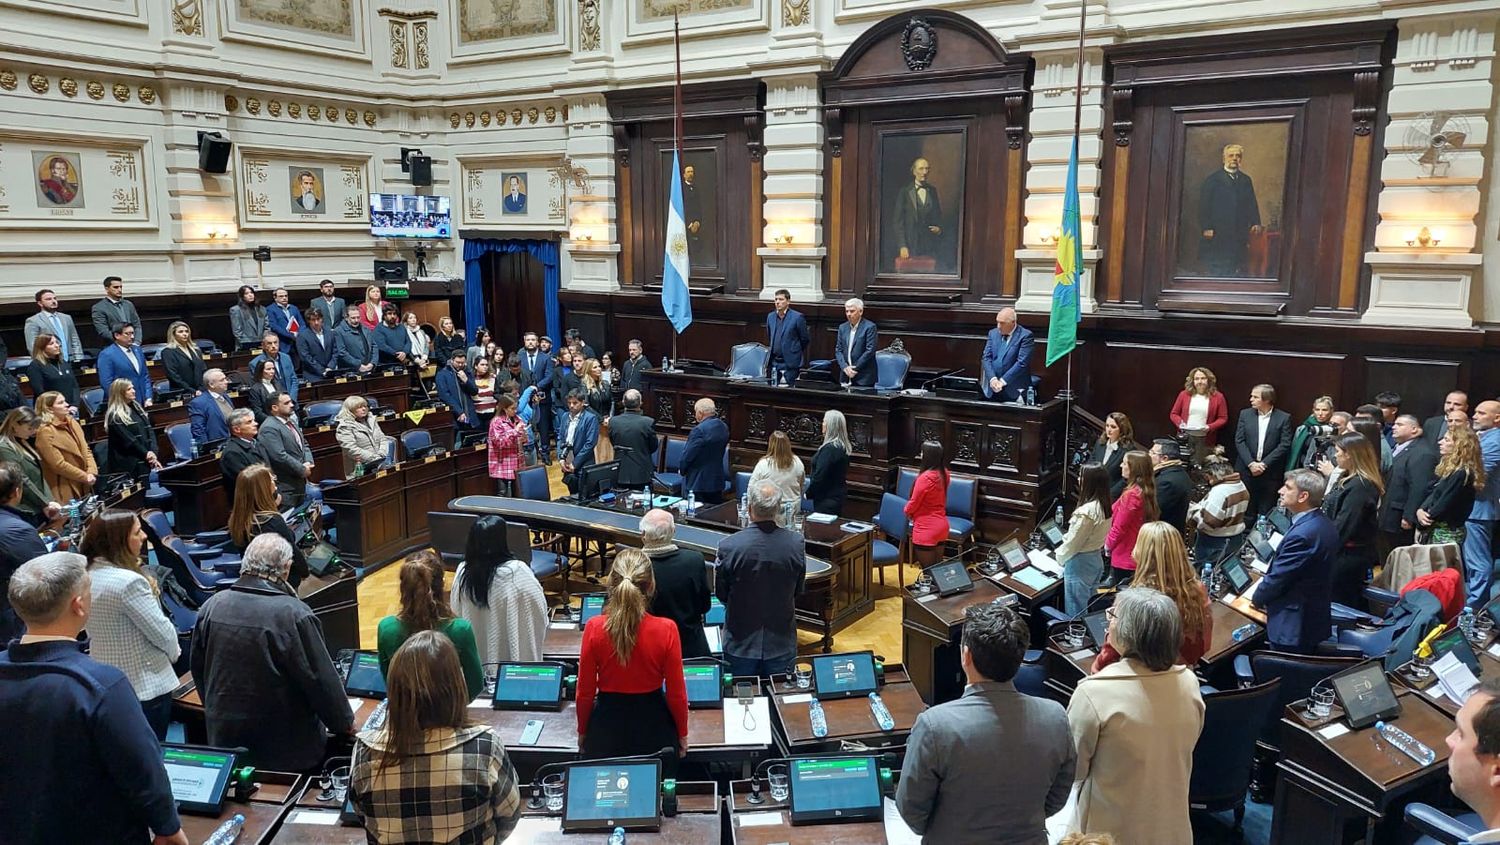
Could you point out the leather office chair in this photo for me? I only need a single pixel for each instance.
(670, 476)
(414, 439)
(17, 364)
(1225, 750)
(741, 484)
(532, 483)
(961, 507)
(1298, 673)
(206, 346)
(748, 360)
(891, 365)
(152, 351)
(320, 413)
(1439, 828)
(906, 479)
(450, 534)
(892, 520)
(1031, 678)
(93, 398)
(180, 435)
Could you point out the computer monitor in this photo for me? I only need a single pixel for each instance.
(1052, 532)
(369, 467)
(705, 684)
(1281, 521)
(470, 438)
(1013, 555)
(716, 612)
(835, 789)
(950, 577)
(528, 686)
(365, 678)
(1453, 640)
(1235, 574)
(208, 447)
(322, 558)
(1098, 625)
(595, 480)
(1261, 545)
(604, 796)
(199, 776)
(848, 675)
(589, 606)
(1365, 694)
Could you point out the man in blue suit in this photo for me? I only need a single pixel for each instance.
(208, 413)
(787, 336)
(270, 350)
(1297, 592)
(1005, 368)
(855, 348)
(454, 387)
(577, 438)
(537, 372)
(285, 319)
(703, 457)
(123, 359)
(1479, 535)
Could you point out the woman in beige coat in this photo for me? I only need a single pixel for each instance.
(67, 461)
(1135, 724)
(359, 434)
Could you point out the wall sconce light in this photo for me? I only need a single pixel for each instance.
(1048, 237)
(1425, 238)
(783, 238)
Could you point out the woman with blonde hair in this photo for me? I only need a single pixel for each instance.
(1459, 476)
(597, 392)
(779, 467)
(1135, 507)
(1117, 439)
(359, 434)
(255, 512)
(132, 444)
(16, 431)
(68, 465)
(447, 340)
(182, 359)
(626, 657)
(372, 309)
(424, 607)
(127, 627)
(1353, 503)
(1200, 410)
(1305, 440)
(1161, 563)
(49, 368)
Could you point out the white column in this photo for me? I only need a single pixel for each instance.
(201, 209)
(591, 250)
(1443, 65)
(793, 246)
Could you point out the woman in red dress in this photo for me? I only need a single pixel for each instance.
(928, 506)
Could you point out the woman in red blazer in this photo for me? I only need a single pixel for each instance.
(928, 506)
(1200, 410)
(628, 656)
(1135, 507)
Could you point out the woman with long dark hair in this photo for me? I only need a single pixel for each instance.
(424, 607)
(247, 319)
(928, 506)
(1082, 551)
(256, 511)
(429, 774)
(1117, 439)
(499, 596)
(627, 658)
(49, 369)
(1353, 504)
(1135, 507)
(508, 438)
(17, 430)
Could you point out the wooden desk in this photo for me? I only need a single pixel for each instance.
(1328, 785)
(383, 515)
(262, 812)
(853, 833)
(1217, 663)
(848, 718)
(200, 501)
(932, 627)
(698, 821)
(1489, 667)
(328, 457)
(388, 386)
(293, 831)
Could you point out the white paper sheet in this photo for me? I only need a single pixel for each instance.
(481, 703)
(896, 830)
(529, 827)
(759, 730)
(767, 818)
(1044, 561)
(1274, 541)
(715, 636)
(1333, 731)
(1250, 593)
(563, 626)
(797, 698)
(1260, 566)
(323, 817)
(354, 704)
(1455, 677)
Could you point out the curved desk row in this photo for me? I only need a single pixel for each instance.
(814, 606)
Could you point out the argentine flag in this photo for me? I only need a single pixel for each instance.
(675, 299)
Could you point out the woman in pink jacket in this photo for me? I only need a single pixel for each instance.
(1135, 507)
(928, 506)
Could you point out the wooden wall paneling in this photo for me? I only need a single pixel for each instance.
(755, 221)
(1422, 384)
(625, 224)
(1114, 194)
(1366, 93)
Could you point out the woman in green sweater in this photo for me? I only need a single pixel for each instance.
(424, 607)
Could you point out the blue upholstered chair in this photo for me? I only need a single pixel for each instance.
(891, 366)
(962, 507)
(1225, 750)
(1439, 828)
(748, 360)
(93, 398)
(180, 435)
(892, 521)
(414, 439)
(670, 476)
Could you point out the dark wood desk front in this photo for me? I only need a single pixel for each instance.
(383, 515)
(782, 832)
(932, 627)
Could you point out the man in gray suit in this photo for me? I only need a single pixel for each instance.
(54, 322)
(286, 449)
(332, 307)
(113, 310)
(954, 754)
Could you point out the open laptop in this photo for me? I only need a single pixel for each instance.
(848, 675)
(199, 776)
(835, 789)
(528, 686)
(604, 796)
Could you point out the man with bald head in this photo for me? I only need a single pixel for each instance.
(702, 465)
(917, 221)
(634, 437)
(1479, 530)
(1005, 367)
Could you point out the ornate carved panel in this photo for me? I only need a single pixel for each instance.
(666, 410)
(803, 428)
(859, 434)
(965, 445)
(1005, 446)
(755, 425)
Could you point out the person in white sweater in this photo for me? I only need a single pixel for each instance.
(1082, 551)
(780, 468)
(1221, 514)
(499, 596)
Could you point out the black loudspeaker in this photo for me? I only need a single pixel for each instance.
(390, 271)
(213, 152)
(421, 170)
(261, 253)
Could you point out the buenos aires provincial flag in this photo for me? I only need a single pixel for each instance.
(1062, 328)
(675, 299)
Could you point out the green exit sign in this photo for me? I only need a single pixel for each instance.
(397, 290)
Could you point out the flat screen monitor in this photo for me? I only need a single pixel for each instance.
(951, 577)
(199, 776)
(595, 480)
(705, 685)
(1365, 694)
(715, 615)
(604, 796)
(528, 686)
(1013, 555)
(1235, 574)
(835, 789)
(847, 675)
(365, 678)
(1098, 625)
(1454, 640)
(322, 558)
(410, 216)
(1052, 532)
(1262, 546)
(589, 606)
(1280, 520)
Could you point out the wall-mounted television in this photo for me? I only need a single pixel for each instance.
(410, 216)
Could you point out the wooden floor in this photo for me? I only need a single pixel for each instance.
(879, 631)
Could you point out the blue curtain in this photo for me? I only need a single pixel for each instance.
(544, 251)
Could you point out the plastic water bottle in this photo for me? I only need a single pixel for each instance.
(229, 832)
(1262, 527)
(666, 366)
(692, 504)
(1405, 743)
(744, 512)
(618, 837)
(882, 715)
(1466, 623)
(819, 721)
(1031, 395)
(1244, 631)
(1057, 516)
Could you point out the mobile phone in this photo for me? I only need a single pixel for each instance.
(745, 692)
(532, 732)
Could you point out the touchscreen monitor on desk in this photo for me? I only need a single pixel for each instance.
(1098, 625)
(365, 679)
(1013, 555)
(1454, 640)
(836, 789)
(589, 606)
(844, 675)
(1052, 532)
(603, 796)
(705, 685)
(528, 686)
(1235, 574)
(1365, 694)
(716, 612)
(951, 577)
(199, 776)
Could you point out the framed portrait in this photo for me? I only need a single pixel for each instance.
(700, 202)
(921, 201)
(513, 201)
(307, 190)
(1234, 196)
(59, 179)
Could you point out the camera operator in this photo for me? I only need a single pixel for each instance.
(1314, 438)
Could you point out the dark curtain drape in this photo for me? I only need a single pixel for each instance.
(544, 251)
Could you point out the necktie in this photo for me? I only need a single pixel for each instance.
(62, 338)
(223, 404)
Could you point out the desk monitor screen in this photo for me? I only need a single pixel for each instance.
(1262, 546)
(1281, 520)
(603, 796)
(1013, 555)
(716, 612)
(365, 679)
(1454, 640)
(847, 675)
(199, 776)
(595, 480)
(705, 685)
(951, 577)
(528, 686)
(589, 606)
(1235, 574)
(1052, 532)
(838, 789)
(1098, 625)
(322, 558)
(1365, 694)
(369, 467)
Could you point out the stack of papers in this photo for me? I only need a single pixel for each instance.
(1455, 678)
(1044, 561)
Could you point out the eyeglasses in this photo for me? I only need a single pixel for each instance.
(1110, 613)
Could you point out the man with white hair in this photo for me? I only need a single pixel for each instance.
(208, 412)
(682, 593)
(72, 734)
(702, 464)
(855, 348)
(262, 667)
(762, 570)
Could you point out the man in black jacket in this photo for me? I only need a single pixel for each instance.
(1174, 489)
(18, 543)
(1262, 445)
(634, 437)
(682, 593)
(635, 364)
(241, 449)
(1412, 469)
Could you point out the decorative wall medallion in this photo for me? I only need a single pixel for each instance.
(38, 83)
(531, 114)
(273, 108)
(121, 91)
(551, 114)
(294, 109)
(252, 105)
(232, 103)
(515, 116)
(68, 85)
(95, 89)
(454, 119)
(187, 17)
(919, 44)
(803, 428)
(485, 118)
(795, 12)
(588, 24)
(468, 119)
(398, 44)
(369, 117)
(499, 117)
(332, 112)
(8, 79)
(351, 116)
(313, 112)
(419, 37)
(147, 94)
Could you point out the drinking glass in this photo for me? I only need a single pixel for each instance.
(803, 673)
(777, 775)
(552, 791)
(1483, 627)
(923, 584)
(1320, 701)
(1072, 636)
(1421, 667)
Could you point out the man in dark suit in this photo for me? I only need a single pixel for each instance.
(1296, 593)
(18, 542)
(1005, 366)
(1173, 486)
(762, 569)
(855, 347)
(1228, 214)
(241, 450)
(1437, 425)
(703, 456)
(287, 450)
(208, 413)
(1262, 444)
(634, 437)
(577, 438)
(536, 371)
(330, 306)
(788, 338)
(1412, 470)
(123, 360)
(315, 347)
(454, 387)
(917, 219)
(635, 364)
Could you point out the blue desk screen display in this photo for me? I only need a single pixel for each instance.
(844, 675)
(591, 605)
(836, 789)
(364, 675)
(199, 776)
(528, 683)
(704, 684)
(716, 613)
(600, 797)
